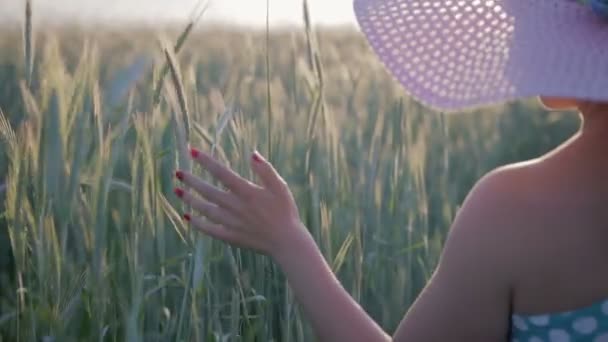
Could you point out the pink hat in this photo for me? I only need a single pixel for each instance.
(458, 54)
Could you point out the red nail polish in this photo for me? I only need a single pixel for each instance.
(179, 175)
(179, 192)
(187, 217)
(256, 157)
(194, 152)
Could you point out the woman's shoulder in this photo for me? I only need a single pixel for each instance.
(485, 233)
(496, 218)
(515, 174)
(508, 189)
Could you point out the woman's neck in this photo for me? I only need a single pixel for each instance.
(588, 145)
(595, 122)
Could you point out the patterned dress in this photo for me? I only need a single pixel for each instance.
(589, 324)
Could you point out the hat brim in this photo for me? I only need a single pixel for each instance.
(454, 55)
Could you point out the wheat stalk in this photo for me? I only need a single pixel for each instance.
(29, 43)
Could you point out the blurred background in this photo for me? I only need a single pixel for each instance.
(99, 101)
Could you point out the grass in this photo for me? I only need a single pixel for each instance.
(100, 251)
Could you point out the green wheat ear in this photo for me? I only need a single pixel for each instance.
(223, 121)
(195, 17)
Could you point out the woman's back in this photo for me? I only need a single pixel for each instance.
(559, 239)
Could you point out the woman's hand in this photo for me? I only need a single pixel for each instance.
(265, 218)
(261, 217)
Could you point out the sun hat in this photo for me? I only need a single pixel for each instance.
(453, 55)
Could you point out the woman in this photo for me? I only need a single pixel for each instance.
(525, 259)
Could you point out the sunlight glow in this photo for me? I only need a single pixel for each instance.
(239, 12)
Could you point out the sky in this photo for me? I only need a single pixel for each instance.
(241, 12)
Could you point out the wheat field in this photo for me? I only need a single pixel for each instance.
(95, 121)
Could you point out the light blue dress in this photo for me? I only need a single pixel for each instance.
(589, 324)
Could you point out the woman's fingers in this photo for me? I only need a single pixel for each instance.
(214, 230)
(221, 198)
(225, 175)
(213, 212)
(220, 232)
(269, 177)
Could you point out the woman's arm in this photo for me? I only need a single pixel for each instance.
(468, 298)
(333, 313)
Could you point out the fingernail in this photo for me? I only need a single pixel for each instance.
(179, 175)
(187, 217)
(256, 157)
(179, 192)
(194, 152)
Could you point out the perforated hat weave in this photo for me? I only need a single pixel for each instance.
(457, 54)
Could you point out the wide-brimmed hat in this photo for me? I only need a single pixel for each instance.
(457, 54)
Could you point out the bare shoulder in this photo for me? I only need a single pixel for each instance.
(502, 196)
(488, 227)
(510, 182)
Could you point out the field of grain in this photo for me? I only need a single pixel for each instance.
(95, 121)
